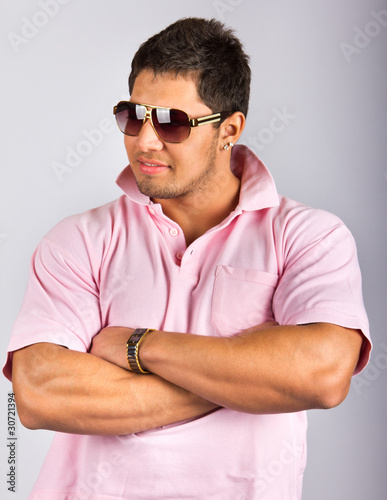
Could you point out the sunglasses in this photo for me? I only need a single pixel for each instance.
(170, 125)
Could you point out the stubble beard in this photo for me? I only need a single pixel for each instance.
(196, 186)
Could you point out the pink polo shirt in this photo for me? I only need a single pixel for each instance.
(127, 264)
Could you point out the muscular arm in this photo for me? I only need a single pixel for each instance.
(273, 369)
(68, 391)
(266, 369)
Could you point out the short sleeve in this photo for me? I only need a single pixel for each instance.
(321, 279)
(61, 304)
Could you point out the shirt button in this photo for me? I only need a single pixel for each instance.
(179, 255)
(152, 211)
(173, 231)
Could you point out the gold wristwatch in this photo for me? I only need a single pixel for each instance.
(132, 346)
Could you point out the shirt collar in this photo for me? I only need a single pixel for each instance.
(258, 190)
(127, 183)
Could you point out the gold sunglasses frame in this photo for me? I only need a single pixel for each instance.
(193, 122)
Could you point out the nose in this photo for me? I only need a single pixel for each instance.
(147, 139)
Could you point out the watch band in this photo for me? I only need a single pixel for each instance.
(132, 346)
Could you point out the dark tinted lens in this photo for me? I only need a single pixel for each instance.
(130, 118)
(172, 125)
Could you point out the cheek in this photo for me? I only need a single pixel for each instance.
(129, 146)
(184, 162)
(127, 143)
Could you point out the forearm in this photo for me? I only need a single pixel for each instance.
(274, 370)
(68, 391)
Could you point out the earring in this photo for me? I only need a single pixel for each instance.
(226, 147)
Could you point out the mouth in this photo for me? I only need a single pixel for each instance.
(150, 166)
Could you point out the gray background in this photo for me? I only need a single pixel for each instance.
(63, 77)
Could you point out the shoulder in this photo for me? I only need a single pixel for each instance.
(293, 217)
(93, 223)
(88, 234)
(289, 210)
(298, 227)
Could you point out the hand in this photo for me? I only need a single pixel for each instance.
(110, 344)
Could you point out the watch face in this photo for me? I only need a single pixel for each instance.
(135, 338)
(136, 335)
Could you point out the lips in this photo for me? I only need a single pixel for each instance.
(150, 166)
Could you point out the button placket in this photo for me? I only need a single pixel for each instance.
(179, 255)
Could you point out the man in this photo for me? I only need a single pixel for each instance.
(176, 336)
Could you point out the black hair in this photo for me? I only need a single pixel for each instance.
(208, 52)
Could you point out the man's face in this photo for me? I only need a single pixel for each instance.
(164, 170)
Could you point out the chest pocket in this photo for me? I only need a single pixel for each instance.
(242, 298)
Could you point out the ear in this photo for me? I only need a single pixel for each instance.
(232, 128)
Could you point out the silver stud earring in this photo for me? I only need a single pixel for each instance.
(226, 147)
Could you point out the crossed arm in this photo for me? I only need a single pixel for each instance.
(266, 369)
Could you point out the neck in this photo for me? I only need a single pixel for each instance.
(199, 212)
